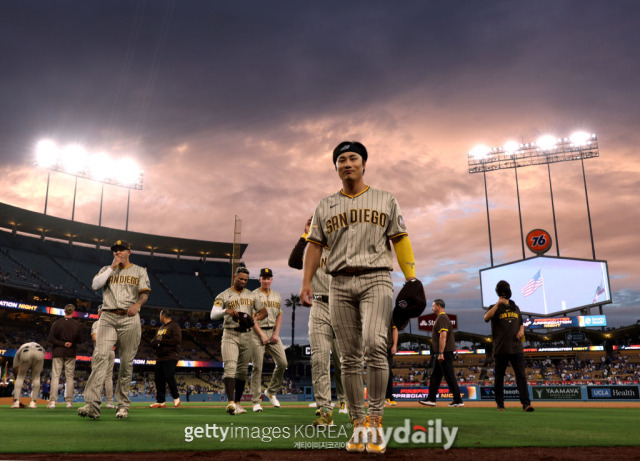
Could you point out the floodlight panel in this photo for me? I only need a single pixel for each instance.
(510, 147)
(73, 159)
(100, 167)
(128, 172)
(47, 153)
(479, 152)
(580, 138)
(546, 142)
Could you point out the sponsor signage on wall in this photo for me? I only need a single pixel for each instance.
(425, 322)
(556, 392)
(488, 393)
(613, 392)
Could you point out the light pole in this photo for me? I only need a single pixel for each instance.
(546, 150)
(74, 160)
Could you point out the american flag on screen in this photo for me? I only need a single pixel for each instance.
(599, 291)
(534, 283)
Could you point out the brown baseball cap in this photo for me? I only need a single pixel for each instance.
(266, 272)
(120, 245)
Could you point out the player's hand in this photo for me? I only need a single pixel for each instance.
(394, 350)
(233, 313)
(118, 259)
(273, 339)
(264, 339)
(133, 310)
(519, 334)
(440, 357)
(68, 344)
(306, 296)
(307, 226)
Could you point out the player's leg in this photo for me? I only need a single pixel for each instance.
(69, 370)
(277, 352)
(320, 338)
(22, 373)
(37, 364)
(160, 381)
(129, 333)
(170, 377)
(388, 395)
(498, 385)
(347, 324)
(244, 356)
(376, 308)
(56, 370)
(257, 354)
(230, 352)
(450, 377)
(106, 339)
(435, 380)
(108, 380)
(337, 370)
(517, 362)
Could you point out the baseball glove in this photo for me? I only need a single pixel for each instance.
(410, 303)
(245, 320)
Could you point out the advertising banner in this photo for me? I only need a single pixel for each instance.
(488, 393)
(556, 392)
(613, 392)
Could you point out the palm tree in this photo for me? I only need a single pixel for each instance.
(292, 302)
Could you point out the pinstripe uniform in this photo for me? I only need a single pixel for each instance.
(273, 304)
(358, 230)
(236, 343)
(115, 327)
(29, 356)
(108, 377)
(322, 340)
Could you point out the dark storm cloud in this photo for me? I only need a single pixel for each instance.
(92, 71)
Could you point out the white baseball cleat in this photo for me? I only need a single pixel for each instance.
(122, 413)
(15, 404)
(313, 405)
(110, 405)
(176, 402)
(69, 405)
(51, 405)
(257, 408)
(272, 398)
(85, 411)
(33, 404)
(231, 409)
(239, 409)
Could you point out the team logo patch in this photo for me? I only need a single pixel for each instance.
(402, 303)
(401, 222)
(218, 303)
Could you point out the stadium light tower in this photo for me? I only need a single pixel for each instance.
(545, 151)
(76, 161)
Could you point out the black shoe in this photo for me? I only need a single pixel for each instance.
(528, 408)
(500, 408)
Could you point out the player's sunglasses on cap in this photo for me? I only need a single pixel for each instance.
(120, 245)
(266, 273)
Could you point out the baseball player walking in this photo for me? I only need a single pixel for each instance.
(125, 288)
(321, 336)
(269, 317)
(65, 335)
(167, 347)
(30, 356)
(108, 377)
(237, 306)
(444, 345)
(358, 224)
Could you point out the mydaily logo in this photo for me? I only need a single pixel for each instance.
(431, 433)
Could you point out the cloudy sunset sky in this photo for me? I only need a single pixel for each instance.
(234, 108)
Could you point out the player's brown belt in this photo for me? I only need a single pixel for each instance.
(117, 311)
(356, 271)
(266, 328)
(323, 298)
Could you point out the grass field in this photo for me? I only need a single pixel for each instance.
(60, 430)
